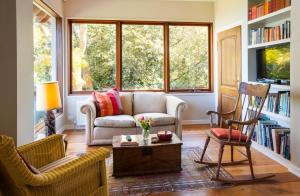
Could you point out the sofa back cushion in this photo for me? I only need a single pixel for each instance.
(126, 100)
(149, 102)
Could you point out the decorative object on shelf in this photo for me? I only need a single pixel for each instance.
(164, 135)
(145, 125)
(239, 129)
(48, 99)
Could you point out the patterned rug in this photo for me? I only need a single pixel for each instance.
(192, 177)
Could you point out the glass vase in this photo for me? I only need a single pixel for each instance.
(146, 133)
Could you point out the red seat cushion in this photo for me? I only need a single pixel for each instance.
(222, 133)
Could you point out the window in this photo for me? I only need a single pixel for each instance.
(47, 64)
(142, 57)
(132, 55)
(189, 57)
(93, 56)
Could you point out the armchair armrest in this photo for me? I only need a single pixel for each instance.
(73, 168)
(175, 107)
(89, 109)
(44, 151)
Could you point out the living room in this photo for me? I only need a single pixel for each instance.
(98, 75)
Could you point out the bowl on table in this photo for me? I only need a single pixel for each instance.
(164, 135)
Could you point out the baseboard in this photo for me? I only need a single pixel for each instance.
(195, 122)
(69, 126)
(295, 170)
(274, 156)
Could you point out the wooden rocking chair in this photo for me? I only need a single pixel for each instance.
(241, 124)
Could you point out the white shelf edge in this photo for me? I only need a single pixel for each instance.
(277, 116)
(274, 115)
(273, 43)
(271, 154)
(276, 157)
(273, 14)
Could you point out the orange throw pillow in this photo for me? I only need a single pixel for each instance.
(108, 103)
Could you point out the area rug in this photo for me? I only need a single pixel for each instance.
(192, 177)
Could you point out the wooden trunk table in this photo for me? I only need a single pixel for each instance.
(146, 158)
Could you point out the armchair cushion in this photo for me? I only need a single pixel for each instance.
(157, 119)
(223, 133)
(118, 121)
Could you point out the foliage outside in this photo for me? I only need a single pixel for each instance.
(94, 57)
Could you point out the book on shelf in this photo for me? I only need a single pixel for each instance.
(267, 7)
(132, 142)
(270, 134)
(269, 34)
(278, 103)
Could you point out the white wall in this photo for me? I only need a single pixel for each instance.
(141, 10)
(295, 85)
(56, 5)
(16, 70)
(229, 14)
(155, 10)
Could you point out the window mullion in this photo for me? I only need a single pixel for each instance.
(119, 55)
(166, 58)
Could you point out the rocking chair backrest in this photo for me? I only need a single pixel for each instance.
(251, 99)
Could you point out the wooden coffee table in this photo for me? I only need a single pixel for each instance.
(146, 158)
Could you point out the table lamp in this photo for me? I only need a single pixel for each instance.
(48, 99)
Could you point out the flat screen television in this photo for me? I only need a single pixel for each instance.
(273, 64)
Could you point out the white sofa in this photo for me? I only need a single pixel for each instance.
(164, 110)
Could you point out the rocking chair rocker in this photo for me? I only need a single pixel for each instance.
(241, 124)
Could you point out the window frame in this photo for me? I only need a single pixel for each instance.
(58, 46)
(166, 64)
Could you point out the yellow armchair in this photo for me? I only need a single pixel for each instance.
(85, 175)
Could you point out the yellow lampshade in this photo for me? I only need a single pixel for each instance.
(47, 96)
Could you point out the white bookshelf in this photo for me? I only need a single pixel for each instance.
(272, 17)
(271, 154)
(268, 20)
(268, 44)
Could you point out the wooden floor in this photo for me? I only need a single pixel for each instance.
(283, 184)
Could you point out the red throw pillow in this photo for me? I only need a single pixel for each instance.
(108, 103)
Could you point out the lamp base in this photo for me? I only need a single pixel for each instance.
(50, 123)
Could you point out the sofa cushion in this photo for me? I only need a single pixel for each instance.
(107, 103)
(157, 119)
(149, 102)
(126, 100)
(117, 121)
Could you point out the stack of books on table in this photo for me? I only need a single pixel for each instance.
(270, 134)
(129, 140)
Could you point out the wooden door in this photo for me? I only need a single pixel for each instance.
(229, 70)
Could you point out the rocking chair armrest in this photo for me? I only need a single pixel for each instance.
(220, 114)
(248, 122)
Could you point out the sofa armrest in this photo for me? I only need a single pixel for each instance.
(44, 151)
(175, 107)
(89, 109)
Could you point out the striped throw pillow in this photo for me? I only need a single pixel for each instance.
(108, 103)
